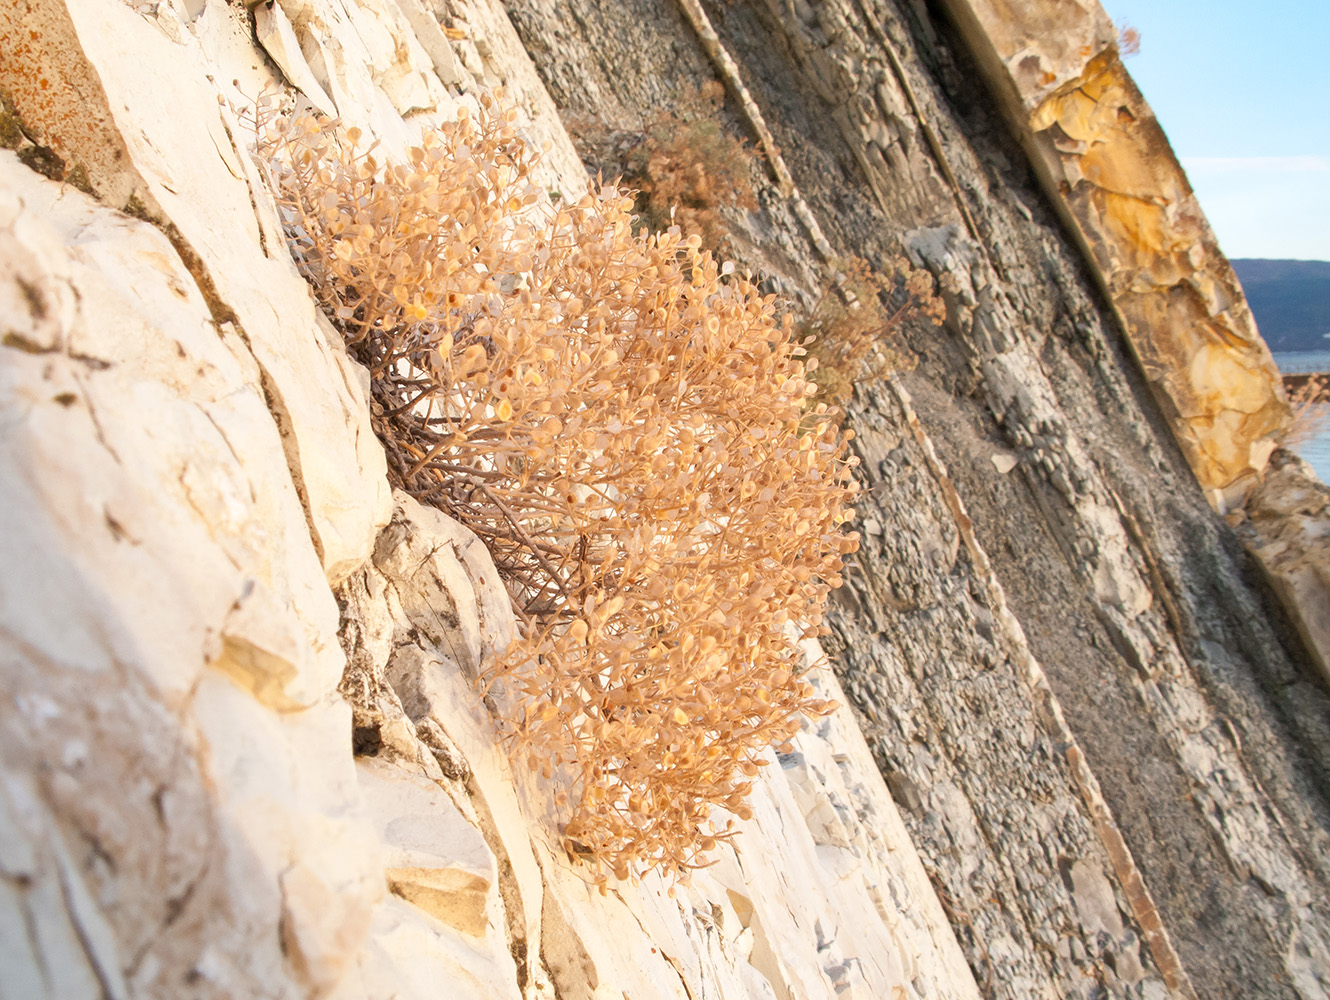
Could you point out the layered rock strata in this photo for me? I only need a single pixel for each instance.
(1104, 162)
(1191, 704)
(244, 754)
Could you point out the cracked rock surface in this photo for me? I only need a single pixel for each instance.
(1060, 501)
(243, 751)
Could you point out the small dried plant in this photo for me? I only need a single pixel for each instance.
(683, 164)
(1310, 404)
(1129, 40)
(849, 329)
(628, 426)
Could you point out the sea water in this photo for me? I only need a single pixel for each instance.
(1314, 450)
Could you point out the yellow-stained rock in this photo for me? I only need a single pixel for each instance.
(1111, 173)
(452, 895)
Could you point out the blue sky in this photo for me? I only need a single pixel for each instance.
(1243, 91)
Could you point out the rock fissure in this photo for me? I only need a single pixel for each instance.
(1143, 906)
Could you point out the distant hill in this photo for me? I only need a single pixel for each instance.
(1291, 301)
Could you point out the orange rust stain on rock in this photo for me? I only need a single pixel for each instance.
(59, 98)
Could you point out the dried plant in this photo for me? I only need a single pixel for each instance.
(1129, 40)
(849, 329)
(627, 425)
(685, 167)
(1310, 404)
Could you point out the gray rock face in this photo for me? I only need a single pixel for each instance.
(1190, 701)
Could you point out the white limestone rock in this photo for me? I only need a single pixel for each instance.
(162, 548)
(191, 174)
(273, 30)
(434, 856)
(410, 956)
(495, 57)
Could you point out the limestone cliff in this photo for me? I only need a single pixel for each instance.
(242, 752)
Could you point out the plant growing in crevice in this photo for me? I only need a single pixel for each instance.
(686, 169)
(627, 425)
(849, 333)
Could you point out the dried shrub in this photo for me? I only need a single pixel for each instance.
(627, 425)
(1129, 40)
(859, 311)
(685, 167)
(1310, 404)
